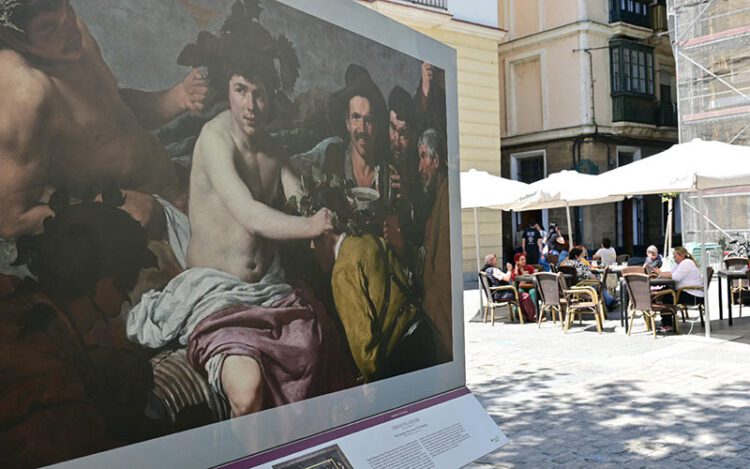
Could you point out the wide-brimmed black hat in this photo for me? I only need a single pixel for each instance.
(358, 83)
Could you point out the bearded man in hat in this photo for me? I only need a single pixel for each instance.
(358, 153)
(65, 123)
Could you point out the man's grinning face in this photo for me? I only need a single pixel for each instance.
(361, 127)
(54, 35)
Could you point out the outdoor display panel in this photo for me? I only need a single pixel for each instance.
(226, 225)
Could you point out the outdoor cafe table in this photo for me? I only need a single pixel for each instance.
(730, 275)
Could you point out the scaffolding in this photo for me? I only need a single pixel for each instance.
(711, 43)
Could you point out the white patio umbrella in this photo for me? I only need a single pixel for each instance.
(565, 189)
(482, 189)
(695, 166)
(688, 167)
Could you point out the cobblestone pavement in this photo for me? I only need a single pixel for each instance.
(587, 400)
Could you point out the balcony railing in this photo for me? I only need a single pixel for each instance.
(630, 11)
(634, 109)
(644, 110)
(439, 4)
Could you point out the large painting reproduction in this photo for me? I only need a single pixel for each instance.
(224, 225)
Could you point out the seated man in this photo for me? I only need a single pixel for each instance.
(65, 123)
(61, 397)
(388, 331)
(497, 277)
(260, 342)
(606, 254)
(72, 126)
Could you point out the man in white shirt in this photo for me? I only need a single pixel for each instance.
(606, 254)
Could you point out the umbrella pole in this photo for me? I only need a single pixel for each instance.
(479, 267)
(668, 231)
(704, 262)
(570, 229)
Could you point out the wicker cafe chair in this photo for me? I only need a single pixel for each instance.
(737, 286)
(552, 259)
(634, 269)
(701, 305)
(512, 303)
(551, 287)
(622, 258)
(570, 274)
(599, 284)
(582, 300)
(639, 292)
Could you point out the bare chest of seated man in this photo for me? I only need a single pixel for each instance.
(218, 239)
(92, 137)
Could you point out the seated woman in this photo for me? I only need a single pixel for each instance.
(583, 269)
(497, 277)
(562, 248)
(521, 268)
(685, 274)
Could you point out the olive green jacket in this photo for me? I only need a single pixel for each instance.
(374, 311)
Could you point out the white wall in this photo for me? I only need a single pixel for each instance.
(475, 11)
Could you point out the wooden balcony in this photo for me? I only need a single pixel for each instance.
(636, 12)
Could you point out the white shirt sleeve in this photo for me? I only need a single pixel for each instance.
(681, 271)
(498, 274)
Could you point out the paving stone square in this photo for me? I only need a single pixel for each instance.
(587, 400)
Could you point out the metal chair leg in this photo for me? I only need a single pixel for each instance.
(598, 314)
(632, 321)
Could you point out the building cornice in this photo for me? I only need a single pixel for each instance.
(554, 34)
(619, 129)
(474, 29)
(422, 17)
(626, 29)
(571, 29)
(644, 131)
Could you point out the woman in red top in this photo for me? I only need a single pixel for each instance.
(521, 268)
